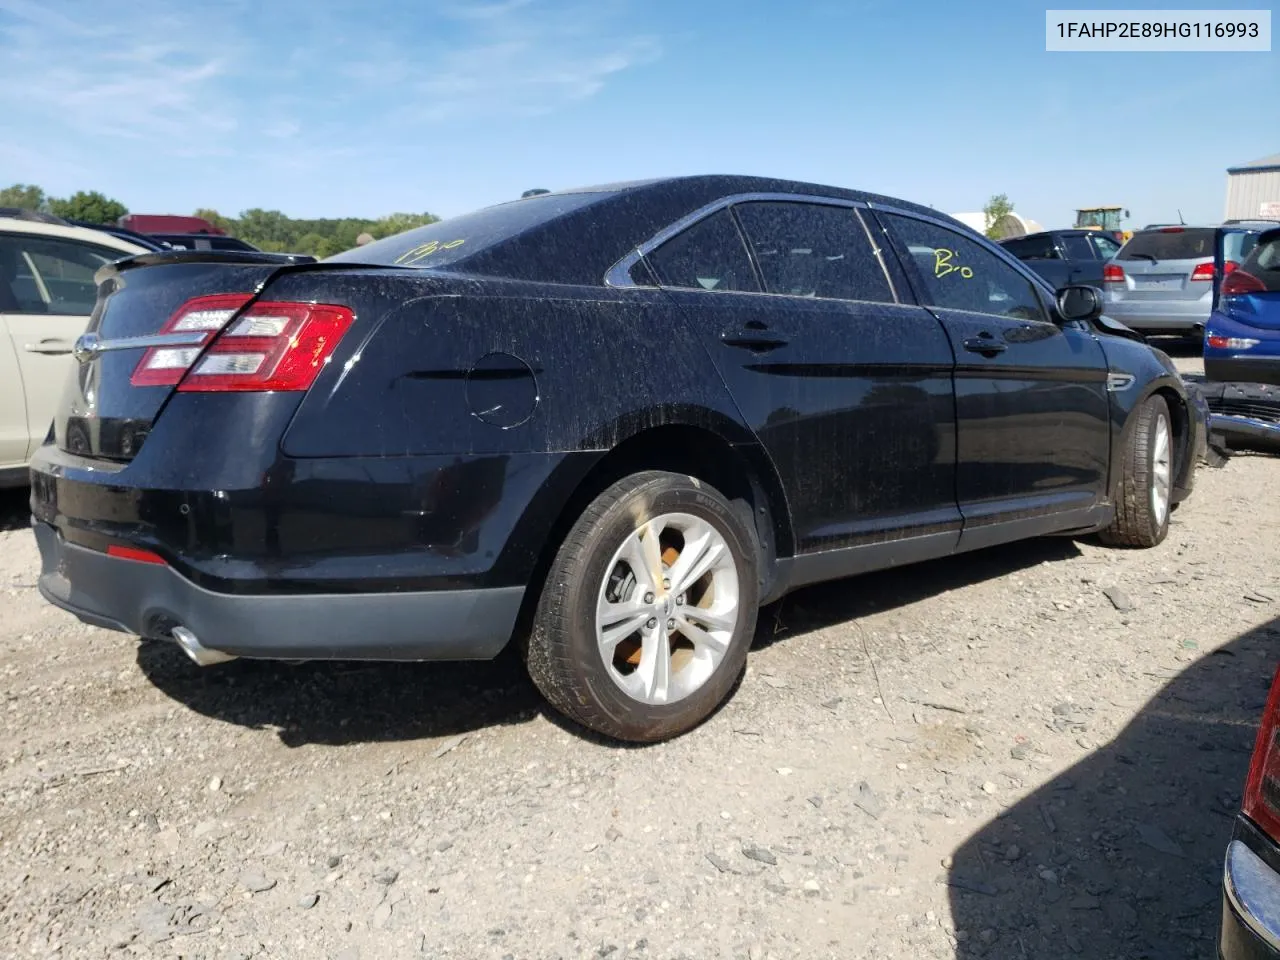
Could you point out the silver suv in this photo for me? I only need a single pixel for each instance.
(1161, 280)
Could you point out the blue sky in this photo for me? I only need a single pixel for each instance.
(365, 108)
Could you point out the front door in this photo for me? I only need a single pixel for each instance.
(52, 293)
(1032, 408)
(848, 389)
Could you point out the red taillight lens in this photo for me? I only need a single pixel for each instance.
(1203, 271)
(164, 366)
(1170, 229)
(1262, 788)
(271, 346)
(133, 553)
(1112, 273)
(1239, 282)
(1229, 266)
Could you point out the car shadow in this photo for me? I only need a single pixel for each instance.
(338, 703)
(15, 509)
(1121, 855)
(1178, 347)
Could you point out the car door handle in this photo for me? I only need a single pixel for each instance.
(754, 339)
(55, 348)
(987, 345)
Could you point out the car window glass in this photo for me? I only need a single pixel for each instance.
(1077, 247)
(709, 255)
(1238, 244)
(1106, 247)
(1169, 243)
(1033, 248)
(1263, 261)
(813, 250)
(47, 275)
(961, 274)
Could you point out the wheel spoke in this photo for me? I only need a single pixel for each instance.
(716, 620)
(633, 555)
(617, 621)
(655, 664)
(699, 637)
(700, 553)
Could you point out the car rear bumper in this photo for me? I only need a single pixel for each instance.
(1242, 368)
(1160, 315)
(1250, 906)
(151, 599)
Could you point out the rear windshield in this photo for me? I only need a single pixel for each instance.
(1264, 260)
(1170, 243)
(448, 241)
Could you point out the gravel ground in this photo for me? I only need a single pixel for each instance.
(1032, 751)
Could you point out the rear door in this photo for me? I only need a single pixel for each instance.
(1168, 263)
(1083, 265)
(1033, 415)
(848, 389)
(52, 294)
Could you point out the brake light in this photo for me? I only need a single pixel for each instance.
(1228, 266)
(1240, 282)
(133, 553)
(271, 346)
(1203, 271)
(1262, 788)
(1230, 343)
(1170, 229)
(164, 366)
(1113, 273)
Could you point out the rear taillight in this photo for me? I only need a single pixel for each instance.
(1262, 788)
(1203, 271)
(203, 316)
(1229, 266)
(270, 346)
(1239, 282)
(1170, 229)
(1112, 273)
(1230, 343)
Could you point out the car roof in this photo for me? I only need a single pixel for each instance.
(86, 234)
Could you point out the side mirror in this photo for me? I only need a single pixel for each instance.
(1079, 301)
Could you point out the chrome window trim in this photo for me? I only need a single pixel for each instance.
(619, 275)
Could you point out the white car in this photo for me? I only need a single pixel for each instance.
(46, 295)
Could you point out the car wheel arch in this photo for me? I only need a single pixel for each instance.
(1179, 424)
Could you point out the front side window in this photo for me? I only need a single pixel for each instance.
(49, 276)
(1077, 247)
(961, 274)
(814, 250)
(709, 255)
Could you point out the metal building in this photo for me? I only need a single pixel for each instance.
(1253, 189)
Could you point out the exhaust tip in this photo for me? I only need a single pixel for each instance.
(200, 655)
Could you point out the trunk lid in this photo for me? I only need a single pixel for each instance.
(102, 413)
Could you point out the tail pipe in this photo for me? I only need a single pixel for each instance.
(198, 652)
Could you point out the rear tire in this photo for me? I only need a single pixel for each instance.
(643, 656)
(1146, 480)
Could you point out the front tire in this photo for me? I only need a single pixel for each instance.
(648, 610)
(1146, 480)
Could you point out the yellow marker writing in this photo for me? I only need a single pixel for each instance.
(942, 264)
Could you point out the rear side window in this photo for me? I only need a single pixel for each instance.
(1106, 247)
(1077, 247)
(448, 241)
(1032, 248)
(814, 250)
(709, 255)
(1169, 243)
(1236, 246)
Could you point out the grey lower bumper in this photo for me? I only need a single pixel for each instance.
(151, 599)
(1245, 433)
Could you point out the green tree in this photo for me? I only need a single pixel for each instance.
(27, 196)
(997, 207)
(399, 223)
(218, 220)
(91, 206)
